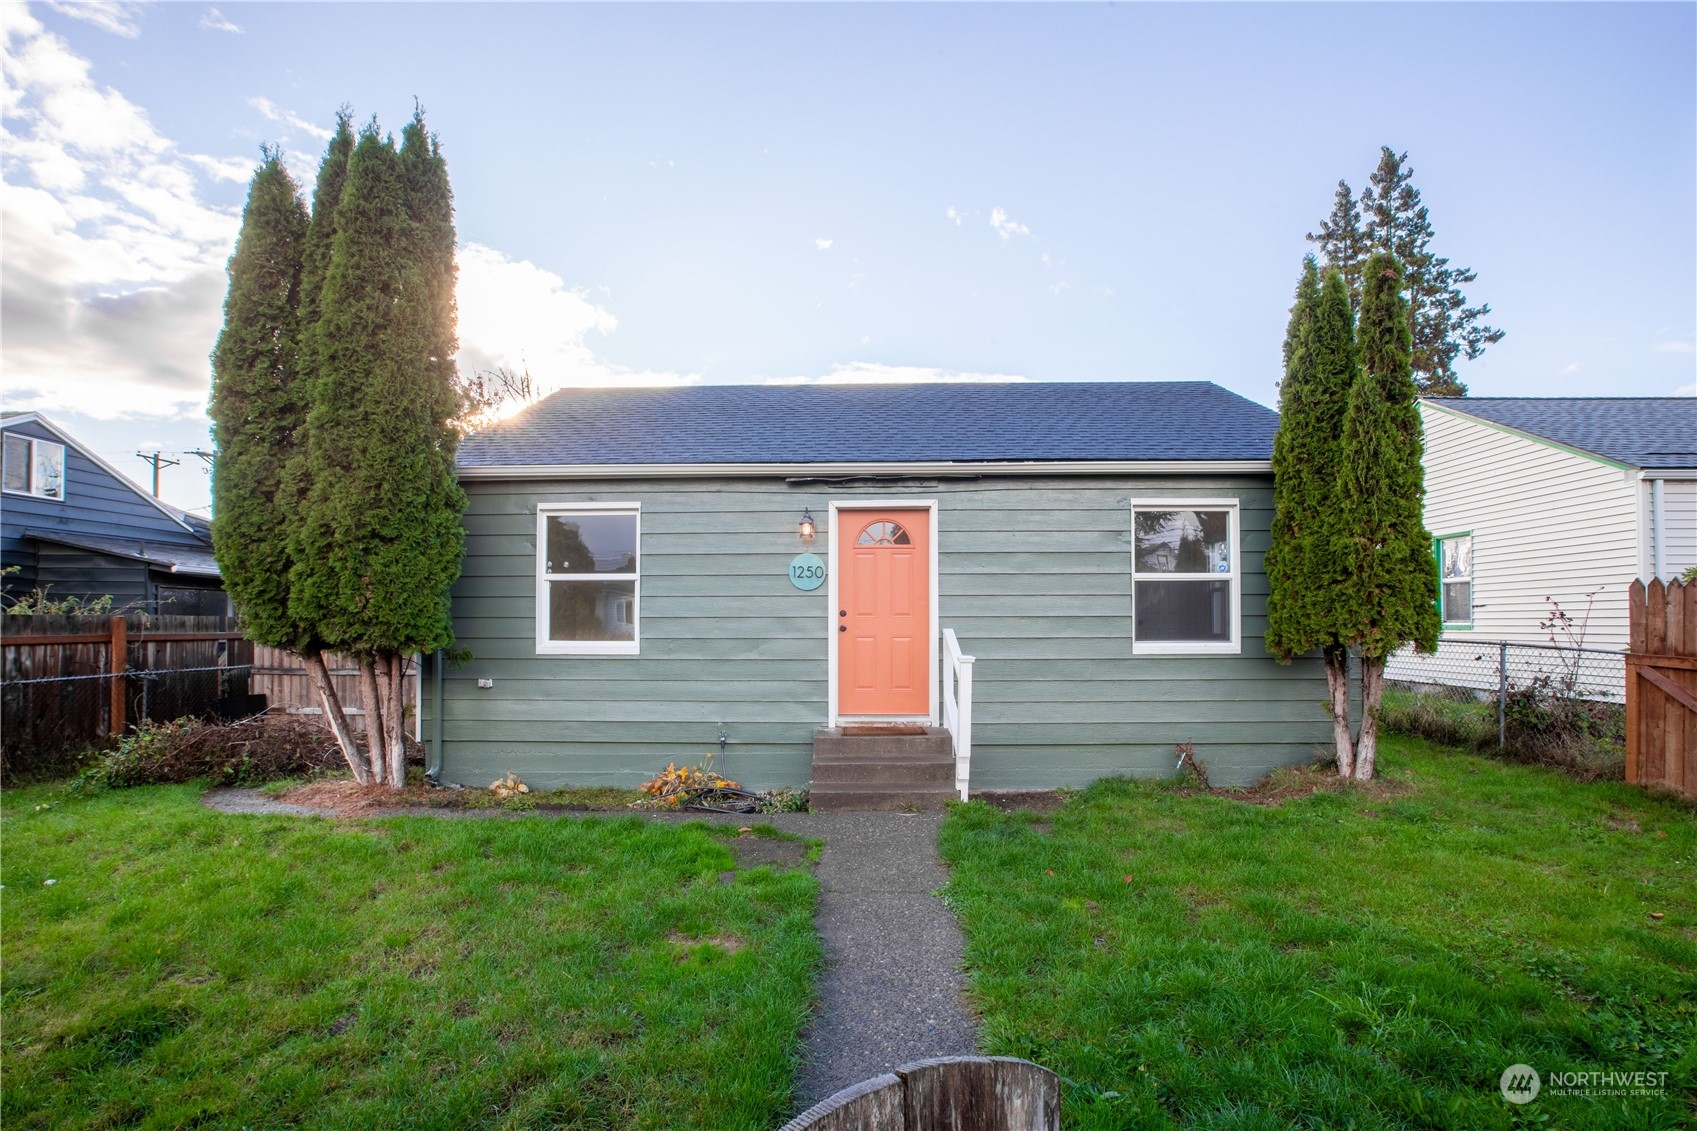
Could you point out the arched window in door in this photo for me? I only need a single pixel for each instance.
(883, 533)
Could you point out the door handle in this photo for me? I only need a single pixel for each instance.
(842, 628)
(842, 612)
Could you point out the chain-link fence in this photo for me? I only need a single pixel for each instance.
(1508, 695)
(46, 719)
(68, 683)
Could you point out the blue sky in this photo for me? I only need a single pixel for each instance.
(857, 192)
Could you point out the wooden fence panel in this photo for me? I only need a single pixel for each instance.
(281, 678)
(73, 681)
(1661, 686)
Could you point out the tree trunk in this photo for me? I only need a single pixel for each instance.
(1337, 682)
(371, 690)
(392, 669)
(338, 719)
(1372, 693)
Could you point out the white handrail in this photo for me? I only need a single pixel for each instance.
(957, 706)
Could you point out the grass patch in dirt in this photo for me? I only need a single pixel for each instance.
(1332, 956)
(190, 968)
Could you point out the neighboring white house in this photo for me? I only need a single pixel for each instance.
(1565, 498)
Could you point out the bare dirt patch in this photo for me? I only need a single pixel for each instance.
(755, 851)
(730, 944)
(1012, 800)
(1305, 781)
(346, 797)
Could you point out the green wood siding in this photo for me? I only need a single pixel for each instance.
(1034, 577)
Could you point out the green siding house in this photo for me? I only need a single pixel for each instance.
(655, 575)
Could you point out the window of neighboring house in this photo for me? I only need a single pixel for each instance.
(1455, 580)
(588, 579)
(1184, 571)
(34, 467)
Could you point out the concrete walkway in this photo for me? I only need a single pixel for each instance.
(891, 991)
(892, 986)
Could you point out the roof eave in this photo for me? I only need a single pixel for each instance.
(917, 468)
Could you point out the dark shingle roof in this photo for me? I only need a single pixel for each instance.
(177, 559)
(707, 424)
(1647, 432)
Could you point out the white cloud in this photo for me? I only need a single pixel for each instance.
(1057, 288)
(238, 170)
(952, 214)
(289, 118)
(1675, 345)
(877, 373)
(1570, 369)
(1005, 227)
(213, 20)
(107, 15)
(823, 244)
(1686, 390)
(111, 297)
(518, 315)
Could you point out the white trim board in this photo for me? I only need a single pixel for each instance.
(831, 634)
(783, 470)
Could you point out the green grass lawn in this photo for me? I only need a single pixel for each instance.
(187, 968)
(1356, 959)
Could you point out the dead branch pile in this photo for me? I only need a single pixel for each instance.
(250, 752)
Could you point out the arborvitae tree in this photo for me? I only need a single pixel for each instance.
(1391, 596)
(321, 235)
(256, 404)
(315, 265)
(379, 540)
(1304, 572)
(1396, 223)
(1296, 495)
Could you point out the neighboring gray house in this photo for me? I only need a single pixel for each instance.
(1558, 497)
(73, 525)
(633, 593)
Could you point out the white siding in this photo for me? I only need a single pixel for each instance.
(1679, 530)
(1545, 523)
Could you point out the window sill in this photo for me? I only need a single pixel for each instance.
(1180, 648)
(587, 648)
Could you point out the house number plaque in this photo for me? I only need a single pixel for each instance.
(807, 571)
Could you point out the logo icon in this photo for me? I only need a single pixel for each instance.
(1520, 1084)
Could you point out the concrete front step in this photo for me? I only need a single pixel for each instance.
(890, 772)
(830, 743)
(833, 797)
(882, 771)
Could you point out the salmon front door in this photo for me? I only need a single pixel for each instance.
(883, 612)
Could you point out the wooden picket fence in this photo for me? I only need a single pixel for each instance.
(1661, 686)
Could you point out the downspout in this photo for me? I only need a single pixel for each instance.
(1657, 554)
(435, 769)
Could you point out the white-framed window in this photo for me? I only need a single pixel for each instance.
(588, 579)
(1186, 593)
(34, 467)
(1455, 580)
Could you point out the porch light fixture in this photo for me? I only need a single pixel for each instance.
(805, 527)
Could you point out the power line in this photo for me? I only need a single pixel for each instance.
(157, 460)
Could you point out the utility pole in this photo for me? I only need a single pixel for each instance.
(157, 460)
